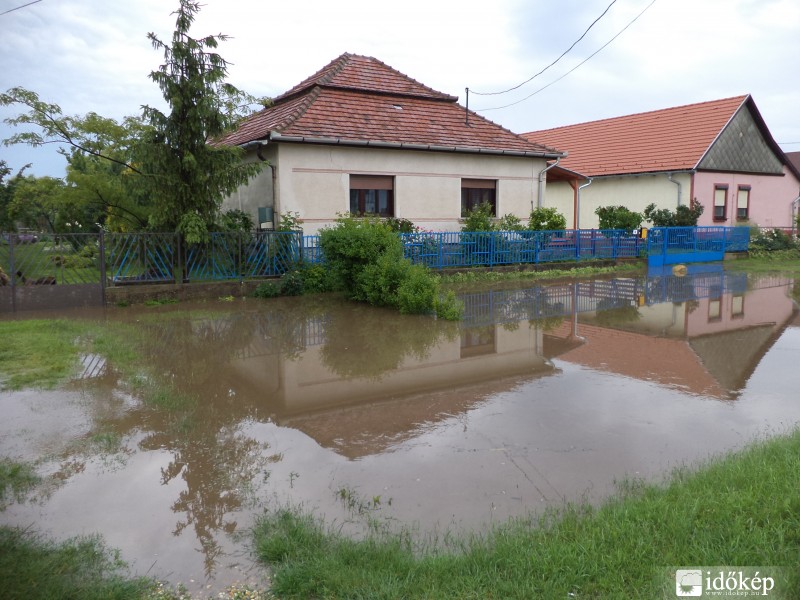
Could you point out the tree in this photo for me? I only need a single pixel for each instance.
(36, 202)
(189, 175)
(162, 170)
(7, 187)
(684, 216)
(618, 217)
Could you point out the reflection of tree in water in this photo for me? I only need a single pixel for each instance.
(613, 311)
(190, 409)
(369, 343)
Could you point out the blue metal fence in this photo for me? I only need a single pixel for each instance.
(442, 250)
(672, 245)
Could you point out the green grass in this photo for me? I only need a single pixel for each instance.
(39, 353)
(82, 568)
(478, 276)
(15, 479)
(742, 510)
(780, 261)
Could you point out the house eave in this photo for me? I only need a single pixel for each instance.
(276, 136)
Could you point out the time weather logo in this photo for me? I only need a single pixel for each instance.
(689, 583)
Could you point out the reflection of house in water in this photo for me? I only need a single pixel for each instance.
(705, 332)
(359, 380)
(361, 390)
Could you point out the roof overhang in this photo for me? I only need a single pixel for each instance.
(276, 136)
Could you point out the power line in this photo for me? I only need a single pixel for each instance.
(576, 66)
(18, 7)
(563, 54)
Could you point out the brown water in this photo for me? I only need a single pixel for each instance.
(541, 395)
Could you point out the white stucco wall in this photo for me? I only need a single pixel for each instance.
(314, 181)
(257, 192)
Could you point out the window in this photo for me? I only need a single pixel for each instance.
(737, 306)
(372, 195)
(477, 341)
(475, 192)
(743, 202)
(714, 309)
(720, 202)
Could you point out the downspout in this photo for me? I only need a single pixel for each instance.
(578, 206)
(795, 208)
(539, 200)
(678, 183)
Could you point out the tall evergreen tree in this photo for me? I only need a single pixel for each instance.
(190, 176)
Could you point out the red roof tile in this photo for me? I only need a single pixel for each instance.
(671, 139)
(357, 99)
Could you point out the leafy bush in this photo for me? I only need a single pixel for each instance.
(546, 219)
(354, 243)
(292, 283)
(317, 279)
(268, 289)
(366, 257)
(618, 217)
(509, 222)
(684, 216)
(234, 220)
(770, 240)
(401, 225)
(479, 218)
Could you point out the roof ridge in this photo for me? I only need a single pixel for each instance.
(301, 109)
(742, 98)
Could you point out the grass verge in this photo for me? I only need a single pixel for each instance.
(741, 510)
(478, 276)
(781, 261)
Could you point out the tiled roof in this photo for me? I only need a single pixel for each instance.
(672, 139)
(359, 100)
(794, 158)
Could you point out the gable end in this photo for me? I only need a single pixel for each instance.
(741, 147)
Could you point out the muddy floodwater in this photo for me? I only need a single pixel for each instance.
(541, 395)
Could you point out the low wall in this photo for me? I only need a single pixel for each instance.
(140, 293)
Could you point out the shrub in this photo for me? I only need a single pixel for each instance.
(618, 217)
(509, 222)
(479, 218)
(448, 307)
(379, 282)
(292, 283)
(417, 292)
(546, 219)
(354, 243)
(401, 225)
(770, 240)
(317, 279)
(684, 216)
(268, 289)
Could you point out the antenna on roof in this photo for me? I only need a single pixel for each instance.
(466, 110)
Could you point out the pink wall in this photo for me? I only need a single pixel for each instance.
(768, 305)
(770, 197)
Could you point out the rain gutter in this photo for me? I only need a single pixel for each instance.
(678, 183)
(542, 173)
(275, 136)
(578, 203)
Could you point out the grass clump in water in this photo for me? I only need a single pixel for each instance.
(16, 478)
(31, 567)
(740, 510)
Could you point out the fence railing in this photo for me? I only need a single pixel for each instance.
(442, 250)
(127, 258)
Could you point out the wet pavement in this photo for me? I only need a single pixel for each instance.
(541, 395)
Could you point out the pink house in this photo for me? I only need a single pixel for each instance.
(719, 153)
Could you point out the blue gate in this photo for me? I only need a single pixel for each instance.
(673, 245)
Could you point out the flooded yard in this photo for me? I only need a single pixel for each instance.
(541, 395)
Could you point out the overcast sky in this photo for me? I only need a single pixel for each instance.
(94, 56)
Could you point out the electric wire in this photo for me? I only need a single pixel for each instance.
(5, 12)
(563, 54)
(584, 61)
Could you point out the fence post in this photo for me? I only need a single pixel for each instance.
(102, 253)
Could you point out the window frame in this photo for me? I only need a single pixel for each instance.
(362, 186)
(739, 190)
(472, 188)
(720, 187)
